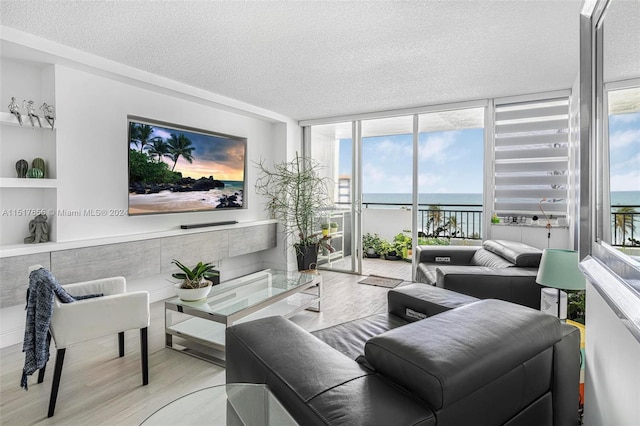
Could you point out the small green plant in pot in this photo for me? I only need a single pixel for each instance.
(387, 250)
(196, 282)
(371, 245)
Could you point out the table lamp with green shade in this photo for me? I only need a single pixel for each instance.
(559, 269)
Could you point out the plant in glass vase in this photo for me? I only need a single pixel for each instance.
(297, 196)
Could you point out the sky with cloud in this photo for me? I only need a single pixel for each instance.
(220, 157)
(449, 162)
(624, 145)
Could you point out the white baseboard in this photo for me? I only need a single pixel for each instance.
(11, 337)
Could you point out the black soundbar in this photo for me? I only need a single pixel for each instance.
(203, 225)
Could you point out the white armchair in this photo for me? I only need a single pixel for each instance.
(87, 319)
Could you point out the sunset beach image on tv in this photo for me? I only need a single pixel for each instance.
(175, 169)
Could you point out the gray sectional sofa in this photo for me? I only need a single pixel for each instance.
(436, 358)
(498, 269)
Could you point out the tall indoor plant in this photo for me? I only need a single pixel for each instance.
(298, 197)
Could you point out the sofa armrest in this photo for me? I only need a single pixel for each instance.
(460, 360)
(566, 359)
(517, 285)
(417, 301)
(315, 383)
(446, 255)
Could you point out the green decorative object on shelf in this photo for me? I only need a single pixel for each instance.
(35, 173)
(21, 168)
(38, 163)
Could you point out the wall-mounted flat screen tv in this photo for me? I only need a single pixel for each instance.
(175, 169)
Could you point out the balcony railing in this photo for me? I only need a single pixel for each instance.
(462, 221)
(625, 221)
(466, 219)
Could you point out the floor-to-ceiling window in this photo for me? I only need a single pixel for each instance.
(332, 146)
(450, 174)
(387, 188)
(623, 135)
(402, 180)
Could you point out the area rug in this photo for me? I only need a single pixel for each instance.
(380, 281)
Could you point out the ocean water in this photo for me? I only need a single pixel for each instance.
(619, 198)
(428, 199)
(232, 186)
(625, 198)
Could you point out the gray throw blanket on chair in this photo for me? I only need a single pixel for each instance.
(42, 288)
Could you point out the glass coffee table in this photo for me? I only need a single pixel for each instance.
(198, 328)
(224, 405)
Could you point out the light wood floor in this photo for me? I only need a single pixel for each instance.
(372, 266)
(99, 388)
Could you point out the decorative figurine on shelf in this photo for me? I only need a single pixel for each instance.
(38, 163)
(39, 230)
(21, 168)
(31, 112)
(47, 111)
(34, 173)
(14, 109)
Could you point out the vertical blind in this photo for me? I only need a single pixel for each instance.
(531, 158)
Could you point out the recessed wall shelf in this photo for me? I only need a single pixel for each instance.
(28, 183)
(6, 118)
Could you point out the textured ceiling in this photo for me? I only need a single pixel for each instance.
(621, 43)
(313, 59)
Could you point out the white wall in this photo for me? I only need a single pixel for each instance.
(92, 160)
(612, 380)
(387, 223)
(612, 346)
(534, 235)
(93, 97)
(283, 257)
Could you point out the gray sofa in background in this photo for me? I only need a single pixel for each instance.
(498, 269)
(436, 358)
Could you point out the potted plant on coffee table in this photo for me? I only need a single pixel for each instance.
(297, 196)
(196, 282)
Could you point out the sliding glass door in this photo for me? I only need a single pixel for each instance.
(332, 145)
(398, 182)
(387, 188)
(450, 177)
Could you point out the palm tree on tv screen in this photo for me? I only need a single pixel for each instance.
(158, 148)
(141, 135)
(180, 146)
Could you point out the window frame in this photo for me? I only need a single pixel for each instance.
(615, 284)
